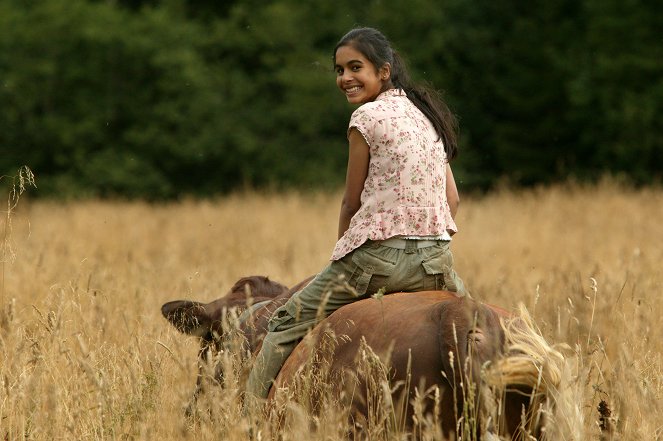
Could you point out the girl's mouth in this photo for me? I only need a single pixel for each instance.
(352, 90)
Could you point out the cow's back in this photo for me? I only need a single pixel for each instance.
(417, 330)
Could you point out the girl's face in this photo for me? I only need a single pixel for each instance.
(359, 79)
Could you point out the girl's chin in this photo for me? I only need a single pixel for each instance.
(359, 99)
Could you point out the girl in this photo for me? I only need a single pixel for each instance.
(397, 214)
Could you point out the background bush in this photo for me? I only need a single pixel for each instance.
(160, 99)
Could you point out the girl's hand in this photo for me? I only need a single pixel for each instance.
(354, 182)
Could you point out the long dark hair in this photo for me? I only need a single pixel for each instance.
(377, 49)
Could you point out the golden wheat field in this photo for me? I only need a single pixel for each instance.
(86, 355)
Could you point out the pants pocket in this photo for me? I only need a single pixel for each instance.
(440, 274)
(282, 317)
(372, 270)
(454, 283)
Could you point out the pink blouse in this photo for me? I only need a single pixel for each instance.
(405, 190)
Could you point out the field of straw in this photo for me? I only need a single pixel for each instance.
(86, 355)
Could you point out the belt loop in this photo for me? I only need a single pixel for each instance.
(410, 246)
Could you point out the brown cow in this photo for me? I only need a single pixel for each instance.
(418, 333)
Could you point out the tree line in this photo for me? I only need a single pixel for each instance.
(159, 99)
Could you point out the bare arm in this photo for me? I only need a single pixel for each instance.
(452, 192)
(354, 181)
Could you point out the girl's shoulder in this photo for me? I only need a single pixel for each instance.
(378, 109)
(369, 107)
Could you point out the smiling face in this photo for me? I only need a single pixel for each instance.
(359, 79)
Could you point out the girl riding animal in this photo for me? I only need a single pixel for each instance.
(397, 215)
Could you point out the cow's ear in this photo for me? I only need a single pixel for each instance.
(187, 317)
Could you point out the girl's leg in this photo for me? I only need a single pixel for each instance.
(327, 292)
(276, 348)
(370, 268)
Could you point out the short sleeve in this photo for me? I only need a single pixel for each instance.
(363, 120)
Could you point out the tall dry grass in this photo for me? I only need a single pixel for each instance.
(85, 353)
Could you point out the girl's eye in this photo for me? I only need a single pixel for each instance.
(355, 68)
(339, 71)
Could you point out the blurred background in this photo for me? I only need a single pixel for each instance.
(159, 100)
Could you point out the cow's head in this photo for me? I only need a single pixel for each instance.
(205, 320)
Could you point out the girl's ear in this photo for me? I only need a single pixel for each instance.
(385, 72)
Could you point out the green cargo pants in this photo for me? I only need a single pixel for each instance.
(366, 270)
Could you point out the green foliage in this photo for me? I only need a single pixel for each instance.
(618, 93)
(159, 99)
(102, 101)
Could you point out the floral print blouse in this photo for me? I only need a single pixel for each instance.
(405, 191)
